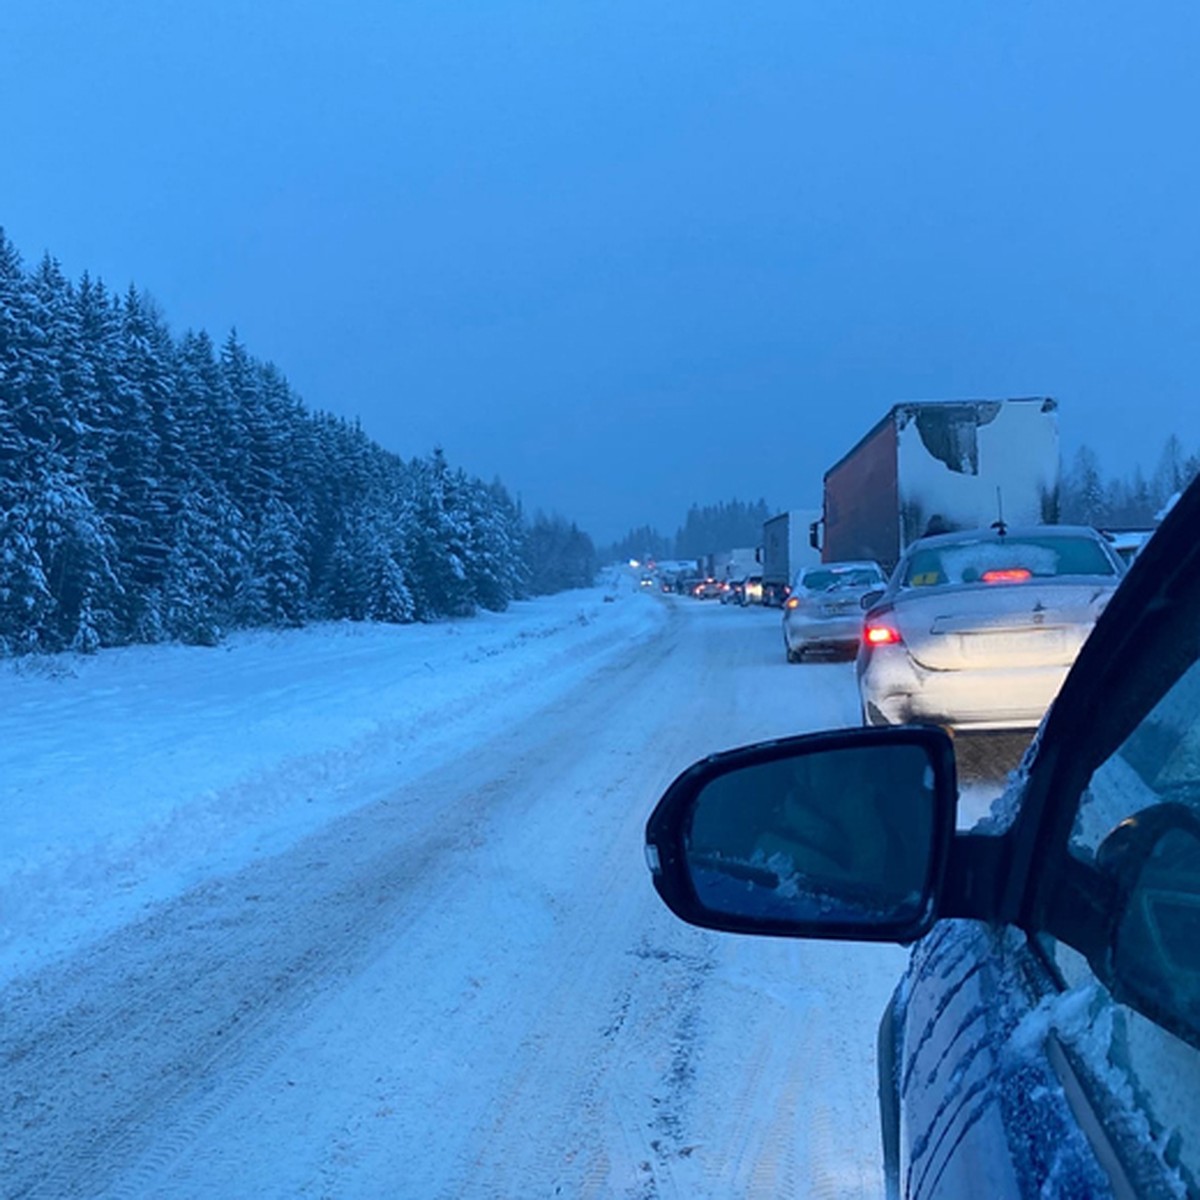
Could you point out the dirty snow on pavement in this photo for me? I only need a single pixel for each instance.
(363, 912)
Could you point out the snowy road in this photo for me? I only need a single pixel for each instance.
(466, 987)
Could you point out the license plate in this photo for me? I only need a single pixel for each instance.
(1048, 642)
(838, 608)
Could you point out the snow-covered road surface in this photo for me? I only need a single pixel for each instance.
(444, 976)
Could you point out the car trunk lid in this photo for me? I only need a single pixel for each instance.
(1002, 625)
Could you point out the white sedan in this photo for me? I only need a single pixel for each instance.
(977, 630)
(824, 610)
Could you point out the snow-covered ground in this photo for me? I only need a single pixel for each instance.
(362, 911)
(131, 775)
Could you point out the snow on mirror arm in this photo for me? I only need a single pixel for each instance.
(839, 835)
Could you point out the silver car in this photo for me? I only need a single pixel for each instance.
(824, 612)
(977, 630)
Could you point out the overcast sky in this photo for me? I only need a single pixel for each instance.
(632, 254)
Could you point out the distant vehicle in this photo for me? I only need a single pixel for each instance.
(824, 611)
(752, 590)
(646, 581)
(734, 564)
(1127, 543)
(937, 466)
(978, 630)
(1045, 1038)
(786, 548)
(706, 589)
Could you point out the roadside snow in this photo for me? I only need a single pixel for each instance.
(131, 775)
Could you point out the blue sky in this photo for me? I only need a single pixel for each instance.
(629, 255)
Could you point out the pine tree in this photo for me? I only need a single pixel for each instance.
(439, 534)
(1084, 501)
(25, 600)
(196, 583)
(560, 556)
(275, 591)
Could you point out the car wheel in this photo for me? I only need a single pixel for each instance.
(793, 656)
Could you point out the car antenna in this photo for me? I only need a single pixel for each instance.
(999, 524)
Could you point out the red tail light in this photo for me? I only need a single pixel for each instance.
(882, 635)
(1009, 575)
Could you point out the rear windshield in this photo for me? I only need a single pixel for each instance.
(822, 580)
(1009, 561)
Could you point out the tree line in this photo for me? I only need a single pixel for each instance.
(706, 529)
(155, 488)
(1134, 501)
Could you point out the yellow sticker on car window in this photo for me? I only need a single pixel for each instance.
(926, 579)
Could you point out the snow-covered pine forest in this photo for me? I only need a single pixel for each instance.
(154, 488)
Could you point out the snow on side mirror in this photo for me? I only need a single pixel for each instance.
(834, 835)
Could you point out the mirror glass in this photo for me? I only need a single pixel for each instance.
(1157, 953)
(829, 837)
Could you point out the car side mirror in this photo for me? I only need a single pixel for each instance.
(1152, 957)
(870, 599)
(832, 835)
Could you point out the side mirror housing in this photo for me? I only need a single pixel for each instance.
(872, 598)
(832, 835)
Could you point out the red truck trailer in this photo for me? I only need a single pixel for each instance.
(939, 465)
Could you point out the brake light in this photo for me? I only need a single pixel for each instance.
(882, 635)
(1009, 575)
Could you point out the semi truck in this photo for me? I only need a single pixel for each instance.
(938, 465)
(786, 547)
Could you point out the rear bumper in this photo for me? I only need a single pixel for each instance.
(841, 632)
(895, 691)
